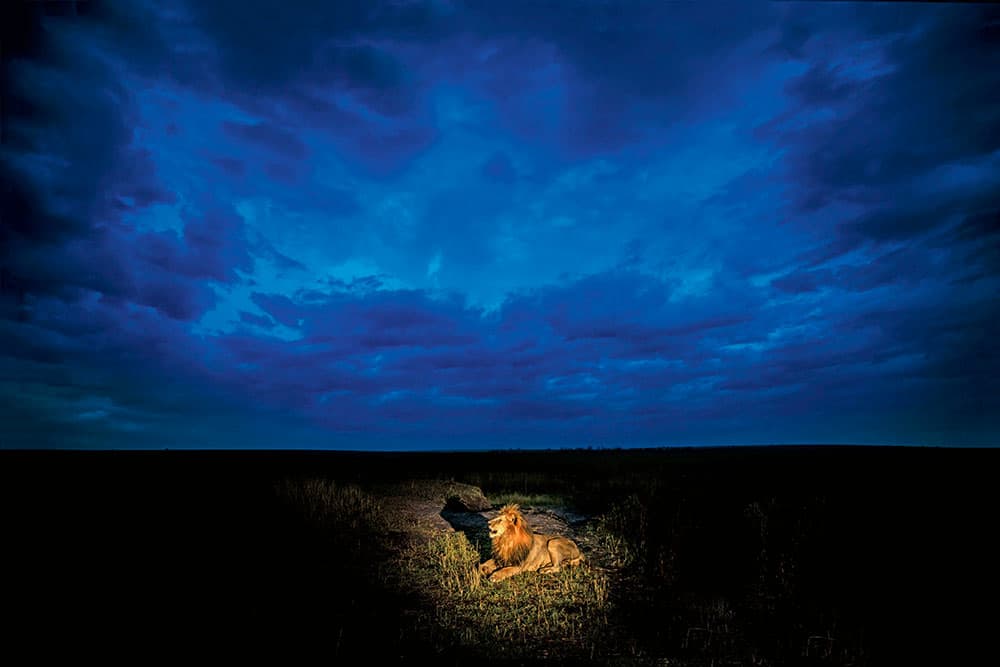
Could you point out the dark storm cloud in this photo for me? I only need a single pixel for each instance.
(163, 270)
(527, 362)
(72, 169)
(296, 72)
(213, 246)
(396, 359)
(76, 397)
(372, 321)
(975, 241)
(179, 301)
(340, 202)
(902, 267)
(635, 315)
(266, 45)
(231, 166)
(65, 107)
(626, 69)
(268, 136)
(66, 124)
(77, 173)
(621, 73)
(893, 125)
(385, 152)
(236, 221)
(802, 281)
(499, 168)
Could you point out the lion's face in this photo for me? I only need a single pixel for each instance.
(498, 525)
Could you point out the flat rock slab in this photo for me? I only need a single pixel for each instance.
(466, 498)
(428, 506)
(541, 520)
(417, 506)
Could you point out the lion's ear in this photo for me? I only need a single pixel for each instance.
(513, 519)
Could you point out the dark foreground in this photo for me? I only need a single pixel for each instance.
(769, 556)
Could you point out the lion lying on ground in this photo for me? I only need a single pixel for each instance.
(517, 549)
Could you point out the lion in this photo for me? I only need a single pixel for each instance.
(517, 549)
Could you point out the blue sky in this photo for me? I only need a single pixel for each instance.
(478, 224)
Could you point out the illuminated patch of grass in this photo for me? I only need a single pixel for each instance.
(454, 564)
(561, 616)
(564, 612)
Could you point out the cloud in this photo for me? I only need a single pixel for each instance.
(272, 47)
(231, 166)
(268, 136)
(393, 361)
(498, 168)
(620, 74)
(340, 73)
(866, 127)
(521, 362)
(419, 222)
(340, 202)
(256, 320)
(78, 189)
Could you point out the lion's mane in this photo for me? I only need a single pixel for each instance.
(514, 544)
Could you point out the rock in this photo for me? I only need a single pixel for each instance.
(466, 498)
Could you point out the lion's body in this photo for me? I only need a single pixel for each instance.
(517, 549)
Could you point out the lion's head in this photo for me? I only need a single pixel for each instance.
(511, 536)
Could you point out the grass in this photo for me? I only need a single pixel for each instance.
(772, 557)
(621, 531)
(328, 502)
(692, 559)
(527, 499)
(575, 615)
(565, 612)
(562, 614)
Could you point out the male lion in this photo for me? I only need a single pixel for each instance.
(517, 549)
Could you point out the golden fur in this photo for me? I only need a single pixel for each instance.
(517, 549)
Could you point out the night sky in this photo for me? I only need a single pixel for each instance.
(499, 224)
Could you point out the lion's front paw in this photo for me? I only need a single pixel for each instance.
(503, 573)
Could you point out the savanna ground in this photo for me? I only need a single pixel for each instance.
(741, 556)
